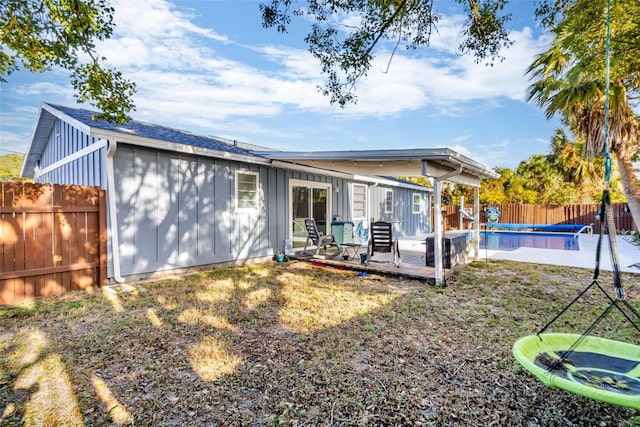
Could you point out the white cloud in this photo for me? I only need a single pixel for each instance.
(46, 90)
(462, 138)
(447, 78)
(154, 34)
(153, 19)
(193, 77)
(15, 131)
(437, 78)
(295, 63)
(12, 142)
(161, 49)
(501, 143)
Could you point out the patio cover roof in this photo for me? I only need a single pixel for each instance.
(430, 162)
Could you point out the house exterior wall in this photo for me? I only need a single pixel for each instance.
(405, 221)
(177, 210)
(65, 140)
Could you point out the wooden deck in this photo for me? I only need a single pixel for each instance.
(412, 265)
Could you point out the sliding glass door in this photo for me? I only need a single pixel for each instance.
(308, 200)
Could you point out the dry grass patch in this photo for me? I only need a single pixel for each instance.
(292, 344)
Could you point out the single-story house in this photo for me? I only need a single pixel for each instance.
(178, 200)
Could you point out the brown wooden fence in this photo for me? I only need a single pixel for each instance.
(542, 214)
(52, 240)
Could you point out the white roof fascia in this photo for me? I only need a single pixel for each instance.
(141, 141)
(392, 183)
(309, 169)
(26, 161)
(432, 155)
(363, 178)
(62, 116)
(42, 120)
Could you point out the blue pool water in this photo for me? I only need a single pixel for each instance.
(512, 240)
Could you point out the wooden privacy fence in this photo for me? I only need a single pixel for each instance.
(52, 240)
(543, 214)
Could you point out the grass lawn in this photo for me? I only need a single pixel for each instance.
(293, 344)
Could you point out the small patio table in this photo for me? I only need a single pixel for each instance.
(355, 247)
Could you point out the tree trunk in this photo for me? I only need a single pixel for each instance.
(631, 188)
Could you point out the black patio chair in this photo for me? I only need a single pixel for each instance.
(382, 245)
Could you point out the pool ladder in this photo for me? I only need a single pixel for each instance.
(586, 227)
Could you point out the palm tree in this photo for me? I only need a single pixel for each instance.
(569, 79)
(566, 157)
(587, 175)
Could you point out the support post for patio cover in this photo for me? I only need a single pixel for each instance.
(438, 233)
(476, 222)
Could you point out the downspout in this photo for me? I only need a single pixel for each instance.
(113, 214)
(369, 202)
(437, 223)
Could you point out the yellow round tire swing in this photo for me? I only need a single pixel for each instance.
(598, 368)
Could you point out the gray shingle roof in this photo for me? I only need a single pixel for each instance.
(153, 131)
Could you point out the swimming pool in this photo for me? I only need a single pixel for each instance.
(512, 240)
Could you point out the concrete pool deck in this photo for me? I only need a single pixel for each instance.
(628, 255)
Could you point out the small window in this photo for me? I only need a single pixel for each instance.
(246, 191)
(417, 203)
(359, 201)
(388, 201)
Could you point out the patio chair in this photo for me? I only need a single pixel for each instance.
(320, 241)
(382, 246)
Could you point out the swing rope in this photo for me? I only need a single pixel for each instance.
(608, 226)
(619, 302)
(605, 212)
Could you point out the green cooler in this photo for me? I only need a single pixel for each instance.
(343, 231)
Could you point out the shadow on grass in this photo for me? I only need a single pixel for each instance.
(289, 344)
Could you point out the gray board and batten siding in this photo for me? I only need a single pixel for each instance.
(406, 220)
(62, 140)
(176, 208)
(177, 211)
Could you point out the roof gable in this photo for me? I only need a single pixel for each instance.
(133, 132)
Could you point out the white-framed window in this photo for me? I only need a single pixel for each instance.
(388, 201)
(416, 206)
(247, 191)
(359, 201)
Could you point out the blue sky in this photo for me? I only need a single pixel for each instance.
(209, 67)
